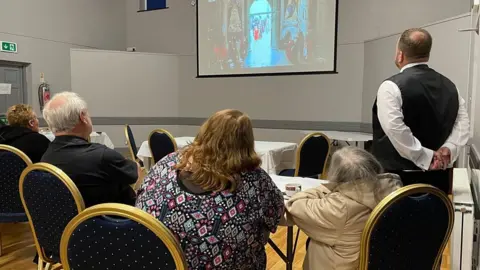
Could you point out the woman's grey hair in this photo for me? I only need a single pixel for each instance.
(65, 117)
(352, 163)
(357, 166)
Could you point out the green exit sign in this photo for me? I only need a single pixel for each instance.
(8, 47)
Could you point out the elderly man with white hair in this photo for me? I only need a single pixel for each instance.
(102, 175)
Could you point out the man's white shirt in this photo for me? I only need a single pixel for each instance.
(390, 116)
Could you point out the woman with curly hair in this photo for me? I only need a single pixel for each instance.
(214, 196)
(22, 132)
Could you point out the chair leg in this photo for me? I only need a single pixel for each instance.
(47, 267)
(40, 264)
(0, 244)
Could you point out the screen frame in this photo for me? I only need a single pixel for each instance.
(288, 73)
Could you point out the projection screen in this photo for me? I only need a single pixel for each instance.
(266, 37)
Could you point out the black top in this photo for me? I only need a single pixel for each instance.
(32, 143)
(430, 107)
(101, 174)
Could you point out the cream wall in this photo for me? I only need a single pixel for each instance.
(46, 30)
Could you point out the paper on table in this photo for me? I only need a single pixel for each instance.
(5, 89)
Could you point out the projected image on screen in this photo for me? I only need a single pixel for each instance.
(237, 37)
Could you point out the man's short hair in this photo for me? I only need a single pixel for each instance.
(66, 116)
(415, 43)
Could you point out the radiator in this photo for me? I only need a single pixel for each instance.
(475, 176)
(461, 250)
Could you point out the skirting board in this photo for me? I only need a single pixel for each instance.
(257, 123)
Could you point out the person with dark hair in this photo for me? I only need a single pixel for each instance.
(419, 119)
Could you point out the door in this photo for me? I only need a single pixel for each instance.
(14, 76)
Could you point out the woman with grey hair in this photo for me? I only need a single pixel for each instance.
(334, 215)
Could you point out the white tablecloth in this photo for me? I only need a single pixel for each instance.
(101, 138)
(306, 183)
(345, 135)
(276, 156)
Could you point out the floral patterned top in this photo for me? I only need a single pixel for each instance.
(217, 230)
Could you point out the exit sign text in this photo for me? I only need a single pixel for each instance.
(7, 46)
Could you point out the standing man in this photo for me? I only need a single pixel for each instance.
(419, 119)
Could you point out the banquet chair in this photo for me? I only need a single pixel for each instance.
(409, 229)
(311, 158)
(12, 163)
(132, 146)
(118, 236)
(161, 143)
(51, 200)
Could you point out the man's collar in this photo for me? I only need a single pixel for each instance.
(412, 65)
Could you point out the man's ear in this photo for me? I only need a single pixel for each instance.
(83, 117)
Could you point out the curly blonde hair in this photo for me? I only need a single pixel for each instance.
(222, 150)
(20, 115)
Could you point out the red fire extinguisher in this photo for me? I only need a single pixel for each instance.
(43, 92)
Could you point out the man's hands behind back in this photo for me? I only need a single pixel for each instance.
(441, 159)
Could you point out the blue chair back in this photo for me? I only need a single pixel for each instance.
(161, 143)
(12, 163)
(312, 156)
(51, 200)
(409, 229)
(118, 236)
(132, 146)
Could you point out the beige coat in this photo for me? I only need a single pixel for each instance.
(334, 218)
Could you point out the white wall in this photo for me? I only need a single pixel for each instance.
(123, 84)
(46, 30)
(386, 17)
(163, 31)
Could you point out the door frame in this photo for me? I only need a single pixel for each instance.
(27, 96)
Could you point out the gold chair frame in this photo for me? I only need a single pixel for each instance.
(391, 199)
(162, 131)
(299, 150)
(25, 159)
(76, 196)
(132, 213)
